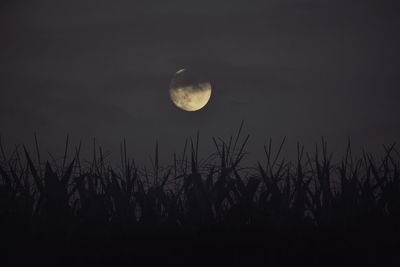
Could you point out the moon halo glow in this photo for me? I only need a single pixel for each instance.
(188, 91)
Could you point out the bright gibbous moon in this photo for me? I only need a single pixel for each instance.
(188, 91)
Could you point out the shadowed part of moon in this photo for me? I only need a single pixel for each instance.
(189, 92)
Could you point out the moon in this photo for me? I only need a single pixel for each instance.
(189, 91)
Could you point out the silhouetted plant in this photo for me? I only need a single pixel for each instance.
(74, 198)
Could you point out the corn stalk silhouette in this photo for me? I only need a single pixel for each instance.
(50, 197)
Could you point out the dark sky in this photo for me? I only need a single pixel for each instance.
(290, 67)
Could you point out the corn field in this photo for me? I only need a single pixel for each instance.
(84, 213)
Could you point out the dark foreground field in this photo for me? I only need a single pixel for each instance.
(213, 212)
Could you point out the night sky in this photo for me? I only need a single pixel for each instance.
(295, 68)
